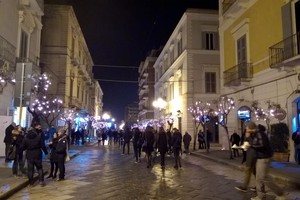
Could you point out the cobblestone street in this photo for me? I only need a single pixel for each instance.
(103, 173)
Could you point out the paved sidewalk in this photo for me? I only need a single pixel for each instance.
(285, 172)
(10, 184)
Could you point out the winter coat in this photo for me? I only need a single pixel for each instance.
(34, 144)
(262, 145)
(187, 139)
(162, 142)
(177, 140)
(8, 134)
(61, 148)
(137, 138)
(53, 155)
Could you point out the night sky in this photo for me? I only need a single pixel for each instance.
(120, 33)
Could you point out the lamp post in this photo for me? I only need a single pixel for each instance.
(179, 116)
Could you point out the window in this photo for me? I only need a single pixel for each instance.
(210, 82)
(180, 86)
(171, 95)
(210, 41)
(242, 50)
(23, 45)
(179, 46)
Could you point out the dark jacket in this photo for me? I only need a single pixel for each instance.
(34, 145)
(8, 134)
(187, 139)
(235, 139)
(262, 145)
(53, 155)
(162, 142)
(61, 147)
(176, 139)
(127, 135)
(137, 138)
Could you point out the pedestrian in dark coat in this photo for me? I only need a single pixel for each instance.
(53, 157)
(61, 153)
(176, 141)
(127, 138)
(18, 137)
(149, 139)
(187, 138)
(8, 139)
(235, 141)
(162, 145)
(137, 144)
(34, 145)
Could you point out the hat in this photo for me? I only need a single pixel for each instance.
(13, 124)
(251, 125)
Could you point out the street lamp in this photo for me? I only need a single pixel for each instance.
(179, 115)
(159, 103)
(106, 116)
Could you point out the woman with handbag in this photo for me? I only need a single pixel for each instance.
(53, 157)
(18, 136)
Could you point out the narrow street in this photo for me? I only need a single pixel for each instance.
(103, 173)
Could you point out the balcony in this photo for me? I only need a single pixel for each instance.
(7, 51)
(286, 52)
(35, 6)
(234, 76)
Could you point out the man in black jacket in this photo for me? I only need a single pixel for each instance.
(8, 139)
(61, 153)
(261, 144)
(34, 144)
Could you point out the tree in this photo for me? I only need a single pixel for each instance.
(273, 111)
(45, 107)
(224, 105)
(201, 112)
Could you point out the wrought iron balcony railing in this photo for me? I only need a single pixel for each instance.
(237, 74)
(7, 51)
(284, 50)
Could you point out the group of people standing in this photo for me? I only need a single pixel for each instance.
(32, 143)
(153, 142)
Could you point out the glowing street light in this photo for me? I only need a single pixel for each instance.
(159, 103)
(106, 116)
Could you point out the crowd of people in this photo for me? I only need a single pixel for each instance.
(33, 144)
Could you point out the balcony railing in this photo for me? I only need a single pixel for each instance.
(226, 4)
(284, 50)
(7, 51)
(237, 74)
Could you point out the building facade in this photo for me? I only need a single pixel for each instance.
(20, 34)
(146, 87)
(131, 114)
(259, 45)
(187, 69)
(66, 57)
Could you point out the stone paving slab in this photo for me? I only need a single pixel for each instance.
(10, 184)
(286, 172)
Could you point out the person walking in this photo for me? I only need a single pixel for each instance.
(18, 137)
(34, 144)
(61, 153)
(127, 138)
(251, 158)
(235, 142)
(296, 139)
(264, 153)
(8, 139)
(201, 140)
(53, 157)
(162, 145)
(149, 142)
(137, 144)
(176, 141)
(187, 138)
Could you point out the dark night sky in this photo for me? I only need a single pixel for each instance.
(120, 33)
